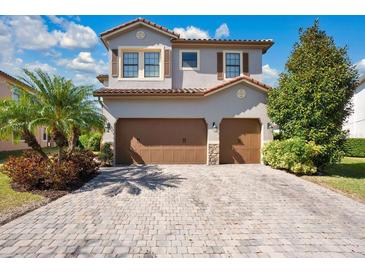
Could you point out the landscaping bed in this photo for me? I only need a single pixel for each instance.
(347, 177)
(28, 181)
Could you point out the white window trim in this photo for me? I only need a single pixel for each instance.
(224, 61)
(141, 51)
(197, 56)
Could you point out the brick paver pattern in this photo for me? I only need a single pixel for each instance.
(191, 211)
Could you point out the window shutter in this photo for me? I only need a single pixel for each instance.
(115, 67)
(167, 63)
(245, 63)
(220, 65)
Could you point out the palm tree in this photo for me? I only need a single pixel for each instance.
(87, 117)
(16, 120)
(66, 109)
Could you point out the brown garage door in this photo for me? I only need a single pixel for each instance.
(239, 141)
(161, 141)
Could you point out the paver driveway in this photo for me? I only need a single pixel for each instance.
(191, 211)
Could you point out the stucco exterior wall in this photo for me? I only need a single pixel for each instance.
(206, 76)
(213, 108)
(356, 122)
(128, 39)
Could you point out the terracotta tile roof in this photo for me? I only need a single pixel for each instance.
(14, 80)
(141, 20)
(223, 40)
(180, 92)
(102, 78)
(264, 44)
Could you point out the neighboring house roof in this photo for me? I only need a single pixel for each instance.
(182, 91)
(264, 44)
(136, 22)
(14, 80)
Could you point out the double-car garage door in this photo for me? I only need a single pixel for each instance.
(184, 141)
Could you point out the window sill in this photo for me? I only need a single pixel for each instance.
(141, 79)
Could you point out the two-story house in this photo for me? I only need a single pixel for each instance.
(171, 100)
(7, 83)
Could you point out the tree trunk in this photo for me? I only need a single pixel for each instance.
(61, 141)
(32, 142)
(74, 138)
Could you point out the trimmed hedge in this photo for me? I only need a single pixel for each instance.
(295, 155)
(355, 147)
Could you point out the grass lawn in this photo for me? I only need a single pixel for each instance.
(5, 154)
(10, 199)
(347, 176)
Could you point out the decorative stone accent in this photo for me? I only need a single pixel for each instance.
(213, 154)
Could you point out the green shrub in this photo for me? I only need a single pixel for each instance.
(94, 141)
(90, 141)
(106, 154)
(295, 155)
(355, 147)
(31, 172)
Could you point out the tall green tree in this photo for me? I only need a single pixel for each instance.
(312, 100)
(16, 118)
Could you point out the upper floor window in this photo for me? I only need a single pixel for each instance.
(130, 64)
(151, 64)
(233, 64)
(141, 63)
(189, 59)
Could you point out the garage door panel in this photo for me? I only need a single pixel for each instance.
(161, 141)
(240, 141)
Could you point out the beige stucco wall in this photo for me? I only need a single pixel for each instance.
(153, 39)
(213, 108)
(7, 145)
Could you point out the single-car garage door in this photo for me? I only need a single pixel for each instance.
(239, 141)
(161, 141)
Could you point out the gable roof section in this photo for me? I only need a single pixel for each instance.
(14, 80)
(263, 44)
(184, 92)
(139, 21)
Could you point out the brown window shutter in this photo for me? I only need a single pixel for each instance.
(115, 67)
(220, 66)
(167, 63)
(245, 63)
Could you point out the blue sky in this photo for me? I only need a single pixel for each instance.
(69, 45)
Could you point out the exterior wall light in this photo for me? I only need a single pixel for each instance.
(214, 126)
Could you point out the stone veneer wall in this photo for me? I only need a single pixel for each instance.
(213, 154)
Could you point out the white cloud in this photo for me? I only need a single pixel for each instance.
(270, 75)
(55, 19)
(77, 36)
(31, 32)
(192, 33)
(43, 66)
(7, 49)
(84, 62)
(222, 31)
(361, 66)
